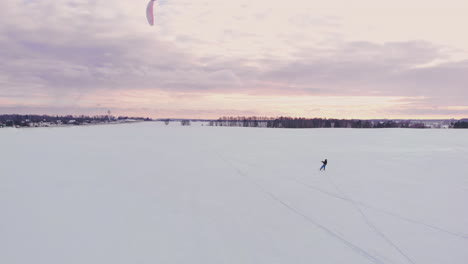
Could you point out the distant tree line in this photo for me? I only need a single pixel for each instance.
(289, 122)
(35, 120)
(461, 124)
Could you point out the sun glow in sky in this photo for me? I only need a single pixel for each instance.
(212, 58)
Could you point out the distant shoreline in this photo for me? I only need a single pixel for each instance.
(29, 121)
(20, 121)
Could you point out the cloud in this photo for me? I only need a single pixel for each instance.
(363, 68)
(56, 53)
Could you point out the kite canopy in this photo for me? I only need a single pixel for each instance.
(150, 12)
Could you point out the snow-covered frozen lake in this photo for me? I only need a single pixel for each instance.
(150, 193)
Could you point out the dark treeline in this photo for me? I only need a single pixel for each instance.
(461, 124)
(289, 122)
(39, 120)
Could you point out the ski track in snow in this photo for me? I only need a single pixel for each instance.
(332, 234)
(369, 223)
(356, 203)
(404, 218)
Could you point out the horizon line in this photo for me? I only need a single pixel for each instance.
(233, 116)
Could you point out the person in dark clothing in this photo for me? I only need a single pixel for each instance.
(324, 164)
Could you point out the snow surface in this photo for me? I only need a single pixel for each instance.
(150, 193)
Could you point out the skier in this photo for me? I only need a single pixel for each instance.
(324, 164)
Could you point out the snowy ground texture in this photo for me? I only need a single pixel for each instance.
(150, 193)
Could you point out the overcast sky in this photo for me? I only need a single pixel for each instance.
(212, 58)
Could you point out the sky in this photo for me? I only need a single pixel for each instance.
(211, 58)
